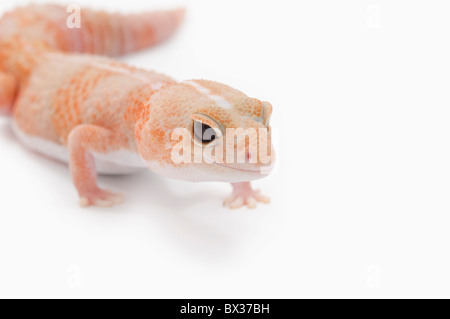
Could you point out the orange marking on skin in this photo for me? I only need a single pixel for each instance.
(8, 92)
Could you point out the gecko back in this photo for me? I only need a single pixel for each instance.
(27, 33)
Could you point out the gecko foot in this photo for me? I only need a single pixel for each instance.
(101, 198)
(244, 195)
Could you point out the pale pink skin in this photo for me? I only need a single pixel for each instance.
(92, 106)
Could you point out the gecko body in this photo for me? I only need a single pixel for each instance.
(71, 102)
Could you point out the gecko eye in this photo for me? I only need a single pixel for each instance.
(203, 133)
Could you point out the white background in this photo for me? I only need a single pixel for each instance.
(360, 198)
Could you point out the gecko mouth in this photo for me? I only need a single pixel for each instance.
(254, 171)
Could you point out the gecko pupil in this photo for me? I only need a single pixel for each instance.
(204, 133)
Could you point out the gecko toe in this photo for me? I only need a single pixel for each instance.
(104, 203)
(118, 199)
(237, 203)
(101, 198)
(84, 202)
(261, 198)
(252, 202)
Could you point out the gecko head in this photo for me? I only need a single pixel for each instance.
(206, 131)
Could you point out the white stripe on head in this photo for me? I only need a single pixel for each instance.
(219, 100)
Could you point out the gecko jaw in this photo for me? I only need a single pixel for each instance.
(251, 171)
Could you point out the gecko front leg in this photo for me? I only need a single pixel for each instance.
(245, 195)
(83, 140)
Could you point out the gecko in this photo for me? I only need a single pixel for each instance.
(70, 99)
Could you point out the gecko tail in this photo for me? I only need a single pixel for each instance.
(78, 30)
(117, 34)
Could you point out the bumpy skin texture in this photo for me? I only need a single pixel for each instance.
(102, 115)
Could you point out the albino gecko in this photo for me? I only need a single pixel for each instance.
(102, 116)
